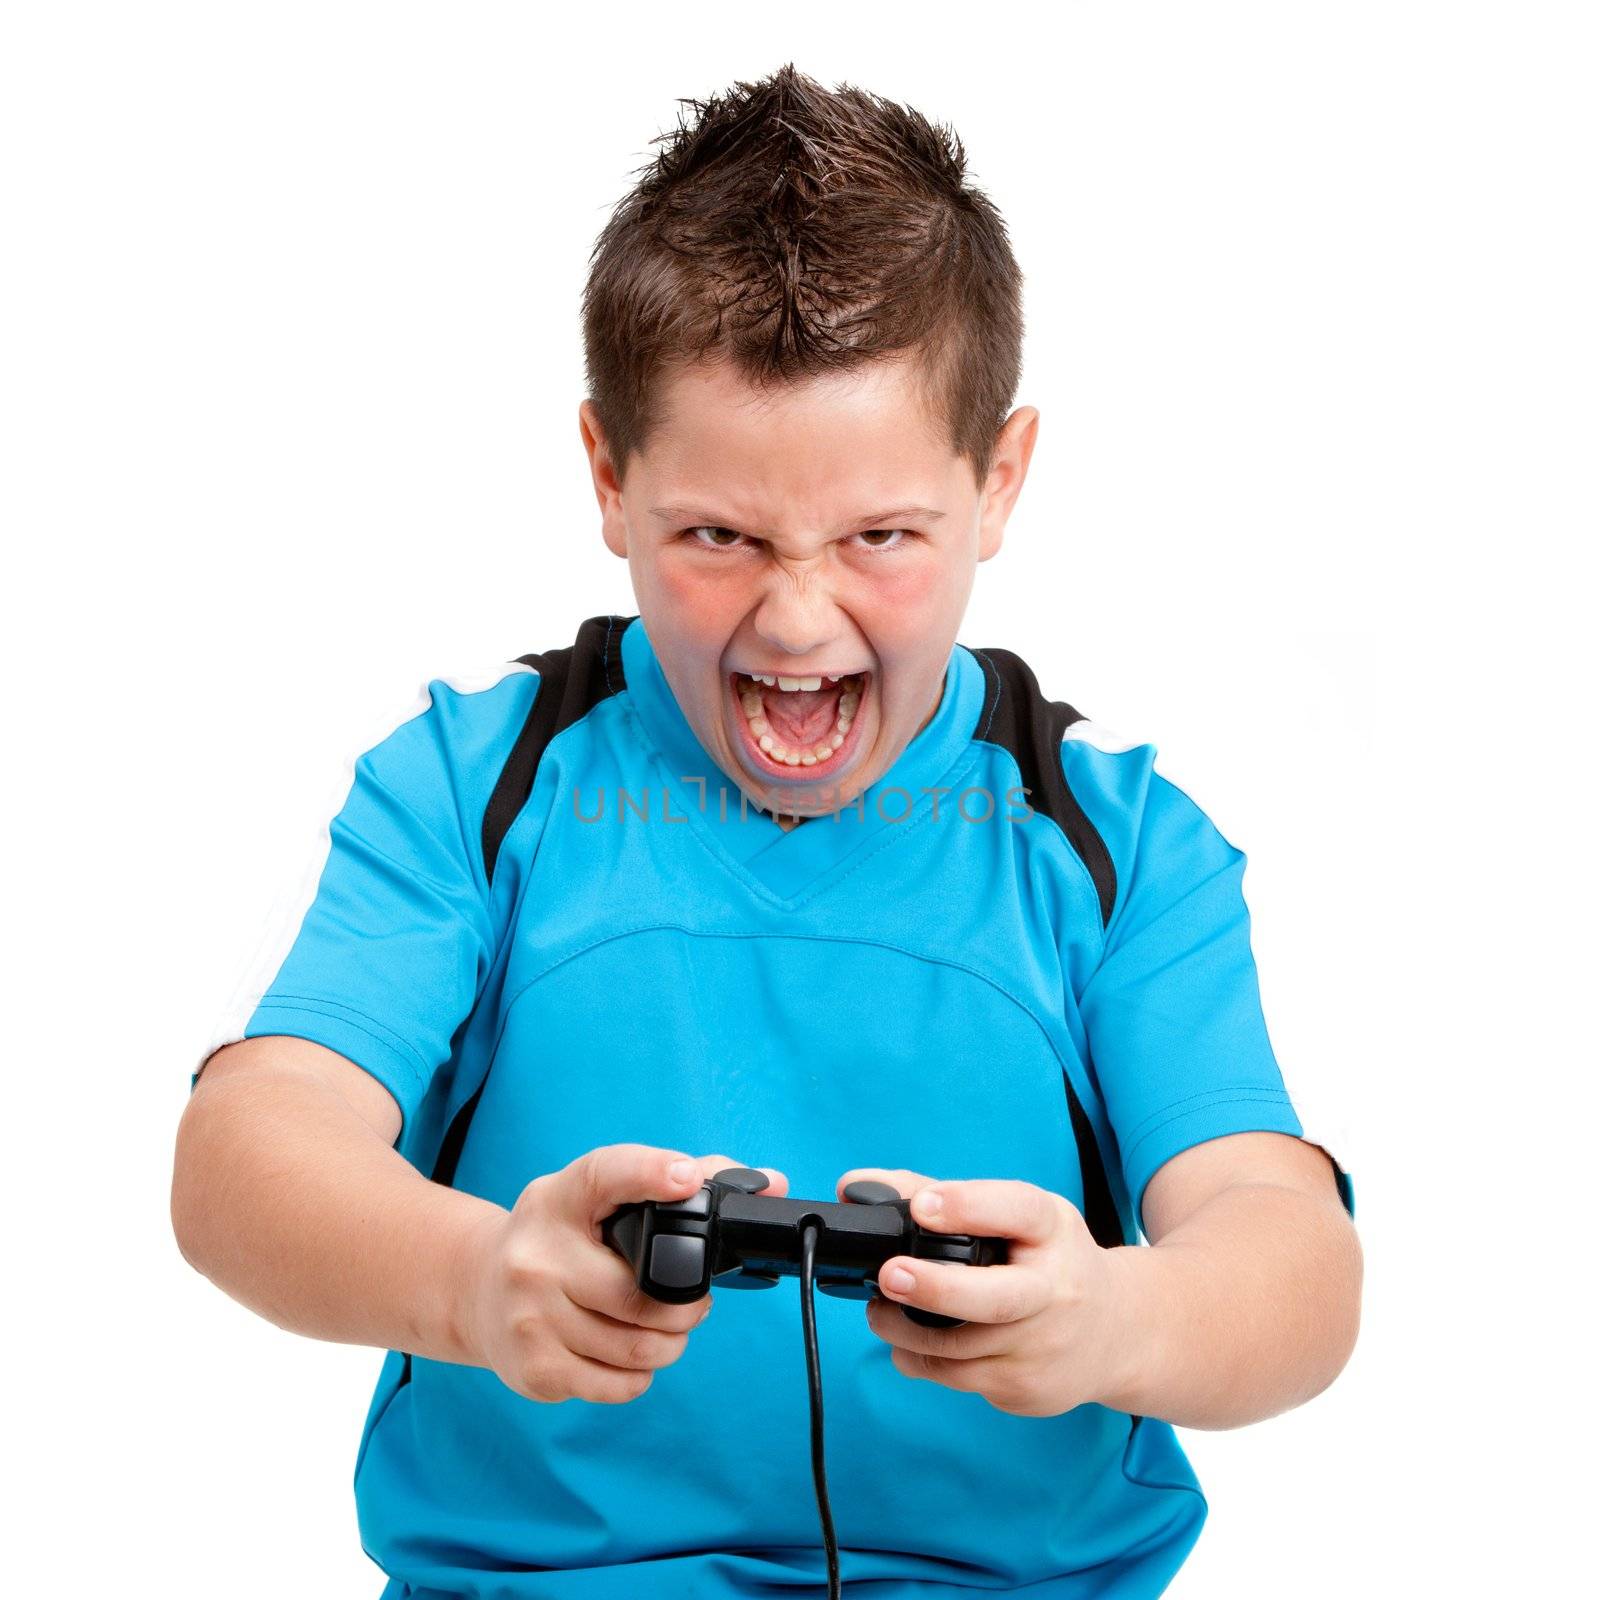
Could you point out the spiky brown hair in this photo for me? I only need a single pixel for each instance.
(796, 231)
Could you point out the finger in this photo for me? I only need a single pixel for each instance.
(602, 1280)
(1002, 1208)
(982, 1375)
(575, 1377)
(974, 1341)
(619, 1344)
(957, 1289)
(607, 1284)
(901, 1179)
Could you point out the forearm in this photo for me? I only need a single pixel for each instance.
(1247, 1308)
(290, 1203)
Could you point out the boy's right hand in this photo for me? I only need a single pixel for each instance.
(552, 1309)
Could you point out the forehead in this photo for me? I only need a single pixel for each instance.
(825, 445)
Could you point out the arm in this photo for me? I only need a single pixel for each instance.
(288, 1194)
(1248, 1300)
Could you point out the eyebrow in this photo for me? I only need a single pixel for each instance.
(699, 517)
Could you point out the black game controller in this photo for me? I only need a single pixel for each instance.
(732, 1235)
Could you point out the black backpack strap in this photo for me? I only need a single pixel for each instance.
(1017, 717)
(572, 682)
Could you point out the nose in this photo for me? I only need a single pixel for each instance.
(797, 614)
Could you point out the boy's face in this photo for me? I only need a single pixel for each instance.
(817, 531)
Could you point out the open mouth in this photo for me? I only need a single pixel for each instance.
(797, 724)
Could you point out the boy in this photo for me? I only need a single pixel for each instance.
(779, 870)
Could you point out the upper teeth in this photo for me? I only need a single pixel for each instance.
(813, 682)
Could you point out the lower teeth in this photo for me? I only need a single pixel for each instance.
(807, 756)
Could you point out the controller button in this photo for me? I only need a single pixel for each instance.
(848, 1291)
(745, 1179)
(697, 1205)
(948, 1247)
(931, 1319)
(869, 1192)
(676, 1261)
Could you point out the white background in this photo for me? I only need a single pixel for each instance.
(290, 370)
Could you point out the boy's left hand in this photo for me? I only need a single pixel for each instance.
(1042, 1332)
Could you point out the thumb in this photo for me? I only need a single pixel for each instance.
(903, 1181)
(594, 1185)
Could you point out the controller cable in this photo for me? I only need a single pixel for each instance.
(808, 1318)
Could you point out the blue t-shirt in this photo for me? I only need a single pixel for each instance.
(559, 914)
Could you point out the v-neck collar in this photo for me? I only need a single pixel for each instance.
(787, 864)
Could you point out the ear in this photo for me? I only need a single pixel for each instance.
(1013, 449)
(607, 488)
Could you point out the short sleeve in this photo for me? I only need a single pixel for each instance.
(1172, 1011)
(392, 939)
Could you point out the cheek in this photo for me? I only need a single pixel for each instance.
(928, 582)
(703, 607)
(912, 606)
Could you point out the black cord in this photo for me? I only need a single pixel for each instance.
(808, 1318)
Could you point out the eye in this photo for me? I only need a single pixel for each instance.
(710, 537)
(721, 538)
(885, 538)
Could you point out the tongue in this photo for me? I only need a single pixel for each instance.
(801, 716)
